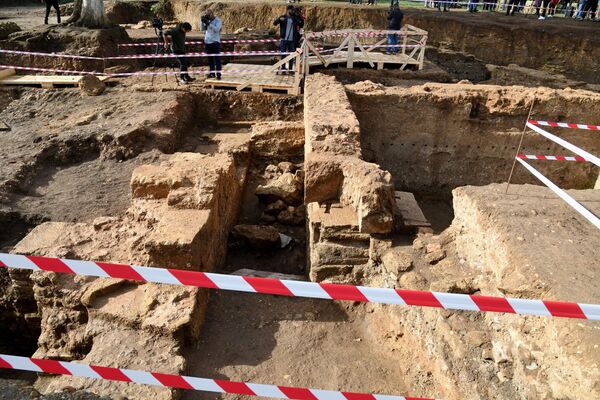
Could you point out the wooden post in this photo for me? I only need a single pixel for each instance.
(351, 43)
(337, 51)
(364, 52)
(422, 55)
(314, 50)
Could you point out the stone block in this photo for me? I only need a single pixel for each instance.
(277, 139)
(183, 239)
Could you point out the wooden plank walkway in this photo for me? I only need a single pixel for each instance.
(267, 80)
(9, 77)
(377, 58)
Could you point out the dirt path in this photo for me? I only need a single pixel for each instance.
(26, 16)
(299, 342)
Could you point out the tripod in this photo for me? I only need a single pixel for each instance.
(160, 49)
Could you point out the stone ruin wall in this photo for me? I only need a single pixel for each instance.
(490, 252)
(472, 355)
(350, 202)
(180, 216)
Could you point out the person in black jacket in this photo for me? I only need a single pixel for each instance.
(289, 32)
(394, 23)
(49, 5)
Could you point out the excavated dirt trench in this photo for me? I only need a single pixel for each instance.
(264, 338)
(71, 159)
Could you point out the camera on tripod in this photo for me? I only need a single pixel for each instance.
(158, 24)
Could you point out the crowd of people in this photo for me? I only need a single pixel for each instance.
(291, 25)
(581, 9)
(290, 32)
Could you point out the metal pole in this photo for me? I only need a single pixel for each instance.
(520, 144)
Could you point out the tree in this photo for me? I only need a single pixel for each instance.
(89, 14)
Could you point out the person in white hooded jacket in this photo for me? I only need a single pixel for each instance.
(212, 25)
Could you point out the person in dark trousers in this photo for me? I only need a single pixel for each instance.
(300, 18)
(289, 33)
(395, 17)
(175, 40)
(440, 4)
(49, 5)
(472, 5)
(212, 25)
(512, 6)
(589, 8)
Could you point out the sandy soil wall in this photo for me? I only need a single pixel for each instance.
(434, 137)
(569, 48)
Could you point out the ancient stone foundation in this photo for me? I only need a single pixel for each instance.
(180, 216)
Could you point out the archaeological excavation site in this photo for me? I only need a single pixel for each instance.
(413, 222)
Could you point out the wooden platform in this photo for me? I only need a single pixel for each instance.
(9, 77)
(377, 58)
(267, 80)
(411, 214)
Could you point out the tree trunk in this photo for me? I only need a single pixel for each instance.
(76, 12)
(92, 14)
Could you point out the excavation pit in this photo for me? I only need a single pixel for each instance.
(332, 186)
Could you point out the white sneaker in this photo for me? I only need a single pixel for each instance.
(541, 17)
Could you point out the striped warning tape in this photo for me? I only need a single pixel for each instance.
(328, 291)
(587, 214)
(180, 381)
(201, 54)
(192, 42)
(138, 73)
(565, 125)
(551, 158)
(579, 151)
(62, 71)
(36, 53)
(133, 56)
(359, 34)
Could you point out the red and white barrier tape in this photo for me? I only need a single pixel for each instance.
(328, 291)
(587, 214)
(374, 33)
(35, 53)
(565, 125)
(201, 54)
(133, 56)
(580, 152)
(180, 381)
(139, 73)
(62, 71)
(194, 72)
(202, 42)
(551, 158)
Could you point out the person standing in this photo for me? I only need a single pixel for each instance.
(439, 4)
(175, 41)
(472, 5)
(512, 7)
(545, 6)
(289, 34)
(212, 26)
(49, 5)
(589, 8)
(395, 17)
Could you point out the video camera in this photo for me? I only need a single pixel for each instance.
(206, 20)
(157, 23)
